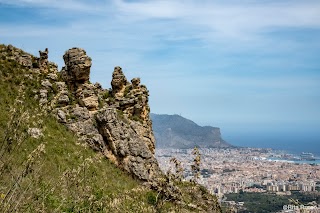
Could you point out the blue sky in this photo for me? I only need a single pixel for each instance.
(249, 67)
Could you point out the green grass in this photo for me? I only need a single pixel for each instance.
(269, 202)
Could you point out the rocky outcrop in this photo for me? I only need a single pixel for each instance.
(35, 64)
(126, 147)
(115, 122)
(43, 60)
(119, 81)
(77, 69)
(76, 74)
(18, 55)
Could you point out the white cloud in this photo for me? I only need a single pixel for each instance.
(227, 18)
(210, 21)
(208, 40)
(72, 5)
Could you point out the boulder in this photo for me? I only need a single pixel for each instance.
(61, 116)
(61, 86)
(52, 76)
(46, 84)
(80, 113)
(25, 60)
(63, 99)
(43, 96)
(135, 83)
(90, 103)
(35, 132)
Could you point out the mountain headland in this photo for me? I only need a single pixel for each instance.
(175, 131)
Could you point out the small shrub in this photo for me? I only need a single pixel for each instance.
(195, 167)
(106, 94)
(152, 198)
(72, 99)
(111, 100)
(72, 117)
(120, 113)
(54, 88)
(100, 102)
(136, 118)
(127, 90)
(35, 63)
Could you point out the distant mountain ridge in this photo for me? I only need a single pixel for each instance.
(175, 131)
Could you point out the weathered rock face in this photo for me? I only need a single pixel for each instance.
(25, 60)
(43, 60)
(126, 147)
(77, 69)
(132, 100)
(19, 56)
(87, 96)
(115, 122)
(119, 81)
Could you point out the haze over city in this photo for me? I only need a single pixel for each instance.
(251, 68)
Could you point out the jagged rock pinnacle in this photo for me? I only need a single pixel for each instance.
(119, 81)
(119, 126)
(77, 69)
(43, 61)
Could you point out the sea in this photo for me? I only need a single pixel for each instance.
(297, 161)
(289, 145)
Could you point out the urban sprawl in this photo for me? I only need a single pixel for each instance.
(226, 171)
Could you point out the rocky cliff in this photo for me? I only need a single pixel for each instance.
(114, 121)
(174, 131)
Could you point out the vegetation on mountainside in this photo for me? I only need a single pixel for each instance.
(53, 172)
(267, 202)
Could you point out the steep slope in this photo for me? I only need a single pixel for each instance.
(43, 167)
(175, 131)
(67, 145)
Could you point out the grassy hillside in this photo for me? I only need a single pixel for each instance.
(50, 171)
(54, 173)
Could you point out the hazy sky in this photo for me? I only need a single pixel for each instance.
(249, 65)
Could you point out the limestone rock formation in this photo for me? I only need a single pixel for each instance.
(119, 81)
(126, 147)
(76, 74)
(43, 60)
(19, 56)
(25, 60)
(77, 69)
(115, 122)
(132, 101)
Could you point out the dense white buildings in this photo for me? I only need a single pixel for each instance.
(231, 170)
